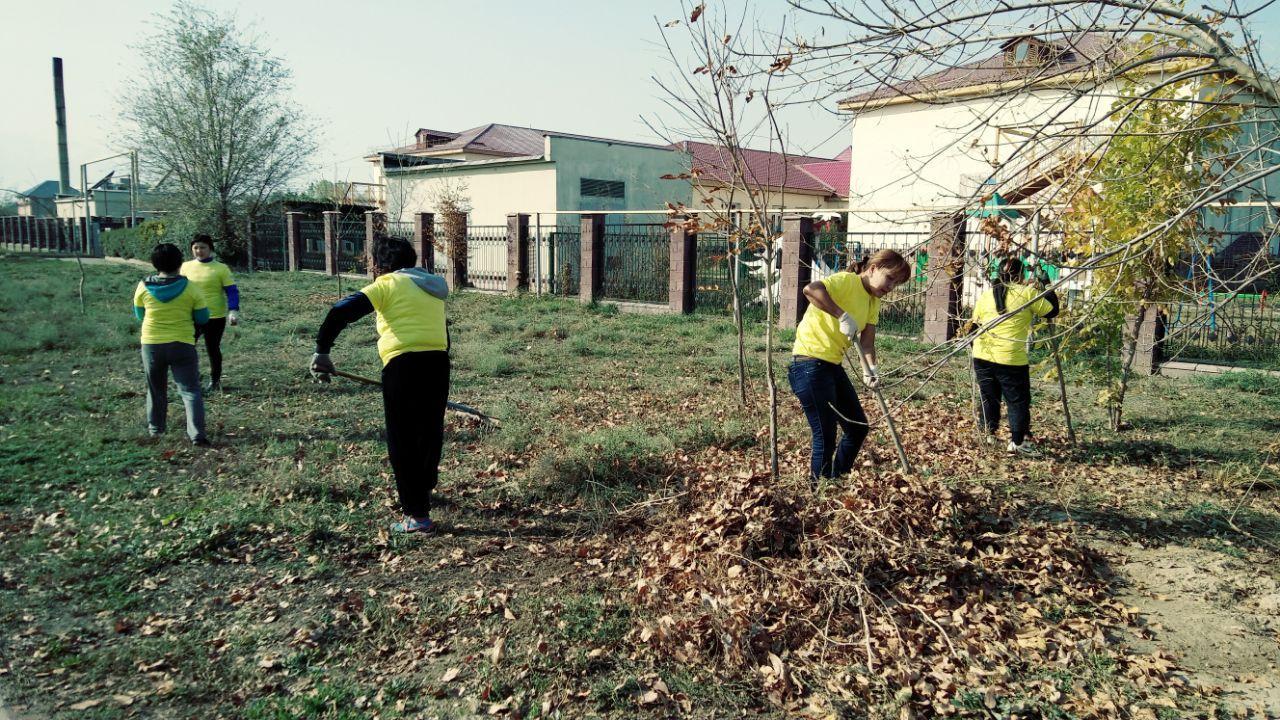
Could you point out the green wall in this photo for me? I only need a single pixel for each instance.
(639, 167)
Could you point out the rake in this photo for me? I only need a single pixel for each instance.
(454, 406)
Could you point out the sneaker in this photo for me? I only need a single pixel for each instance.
(414, 525)
(1026, 449)
(202, 442)
(212, 388)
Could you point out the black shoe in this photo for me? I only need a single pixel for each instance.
(202, 442)
(213, 387)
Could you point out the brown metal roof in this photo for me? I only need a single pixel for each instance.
(1074, 54)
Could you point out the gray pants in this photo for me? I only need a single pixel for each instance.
(157, 361)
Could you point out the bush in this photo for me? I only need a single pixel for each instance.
(134, 243)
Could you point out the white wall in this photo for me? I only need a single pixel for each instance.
(494, 192)
(914, 155)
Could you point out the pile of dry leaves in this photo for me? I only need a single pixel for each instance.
(898, 597)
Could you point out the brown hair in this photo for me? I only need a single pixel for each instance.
(891, 260)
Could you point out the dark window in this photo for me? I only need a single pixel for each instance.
(602, 188)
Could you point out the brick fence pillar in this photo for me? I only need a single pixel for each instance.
(517, 252)
(1149, 327)
(331, 219)
(375, 223)
(797, 269)
(945, 277)
(591, 275)
(293, 239)
(455, 242)
(684, 263)
(424, 240)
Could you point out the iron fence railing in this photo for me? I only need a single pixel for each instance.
(270, 243)
(637, 262)
(564, 259)
(351, 250)
(1244, 329)
(312, 241)
(717, 260)
(487, 257)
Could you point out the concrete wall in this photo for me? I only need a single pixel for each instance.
(639, 167)
(915, 155)
(494, 191)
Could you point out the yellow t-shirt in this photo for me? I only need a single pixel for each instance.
(210, 278)
(409, 319)
(171, 321)
(1006, 343)
(818, 334)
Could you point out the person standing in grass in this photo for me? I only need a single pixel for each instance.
(413, 343)
(170, 308)
(1000, 362)
(843, 312)
(213, 278)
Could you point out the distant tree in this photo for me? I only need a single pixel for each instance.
(211, 111)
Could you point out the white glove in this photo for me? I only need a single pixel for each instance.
(321, 367)
(870, 377)
(848, 327)
(233, 317)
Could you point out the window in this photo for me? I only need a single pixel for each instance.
(602, 188)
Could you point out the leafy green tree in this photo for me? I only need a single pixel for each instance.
(1135, 202)
(211, 113)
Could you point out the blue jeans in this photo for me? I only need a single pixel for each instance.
(180, 358)
(829, 400)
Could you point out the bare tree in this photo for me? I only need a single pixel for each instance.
(211, 111)
(713, 103)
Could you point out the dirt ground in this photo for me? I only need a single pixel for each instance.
(1218, 616)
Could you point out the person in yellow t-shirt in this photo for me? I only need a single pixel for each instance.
(843, 312)
(214, 280)
(1000, 361)
(413, 342)
(171, 308)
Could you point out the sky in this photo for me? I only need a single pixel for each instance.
(369, 74)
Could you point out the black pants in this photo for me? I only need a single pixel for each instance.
(212, 332)
(415, 388)
(1013, 382)
(829, 400)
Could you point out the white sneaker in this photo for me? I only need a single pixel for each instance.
(1026, 448)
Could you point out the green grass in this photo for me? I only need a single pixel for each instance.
(118, 552)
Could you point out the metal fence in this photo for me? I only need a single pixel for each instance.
(270, 243)
(713, 278)
(351, 250)
(1243, 330)
(564, 258)
(487, 257)
(637, 262)
(312, 231)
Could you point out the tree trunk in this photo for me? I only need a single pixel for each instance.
(734, 252)
(1115, 409)
(768, 362)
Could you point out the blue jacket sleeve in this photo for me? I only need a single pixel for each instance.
(348, 310)
(139, 312)
(233, 297)
(200, 315)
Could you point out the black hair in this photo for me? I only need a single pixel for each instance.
(166, 257)
(1008, 272)
(202, 238)
(390, 253)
